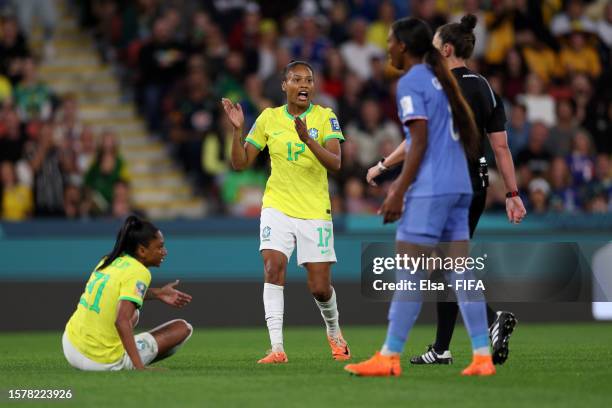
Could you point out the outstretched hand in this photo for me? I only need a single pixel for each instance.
(173, 297)
(233, 112)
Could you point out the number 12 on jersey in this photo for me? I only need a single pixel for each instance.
(100, 279)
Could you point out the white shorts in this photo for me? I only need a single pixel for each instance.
(145, 343)
(314, 238)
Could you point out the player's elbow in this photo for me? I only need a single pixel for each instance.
(336, 166)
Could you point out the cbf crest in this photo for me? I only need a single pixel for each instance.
(313, 133)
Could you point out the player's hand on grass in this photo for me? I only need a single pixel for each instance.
(302, 129)
(373, 172)
(515, 209)
(233, 112)
(173, 297)
(392, 207)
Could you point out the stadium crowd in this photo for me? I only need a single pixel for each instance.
(51, 164)
(549, 61)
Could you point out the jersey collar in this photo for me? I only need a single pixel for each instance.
(290, 116)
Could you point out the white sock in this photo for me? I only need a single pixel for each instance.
(274, 306)
(329, 311)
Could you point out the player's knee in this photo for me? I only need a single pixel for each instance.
(321, 291)
(185, 328)
(274, 271)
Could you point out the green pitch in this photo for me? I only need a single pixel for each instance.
(549, 365)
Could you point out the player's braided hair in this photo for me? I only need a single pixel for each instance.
(460, 36)
(417, 37)
(133, 233)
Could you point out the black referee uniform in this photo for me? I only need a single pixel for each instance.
(490, 117)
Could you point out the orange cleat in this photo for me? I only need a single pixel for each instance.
(274, 357)
(339, 347)
(377, 366)
(481, 365)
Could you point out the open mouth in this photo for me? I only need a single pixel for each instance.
(302, 96)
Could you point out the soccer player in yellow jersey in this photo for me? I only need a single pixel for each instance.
(99, 336)
(303, 141)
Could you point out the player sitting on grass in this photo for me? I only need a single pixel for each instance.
(99, 336)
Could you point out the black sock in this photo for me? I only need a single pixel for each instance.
(491, 315)
(447, 317)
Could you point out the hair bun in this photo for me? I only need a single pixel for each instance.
(468, 22)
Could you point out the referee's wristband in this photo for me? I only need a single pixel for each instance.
(511, 194)
(381, 166)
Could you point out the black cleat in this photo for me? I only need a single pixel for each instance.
(500, 332)
(431, 357)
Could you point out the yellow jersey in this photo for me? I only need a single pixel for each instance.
(297, 186)
(91, 329)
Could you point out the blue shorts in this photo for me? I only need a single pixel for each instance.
(430, 220)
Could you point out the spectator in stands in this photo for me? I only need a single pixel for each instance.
(13, 50)
(121, 206)
(338, 23)
(44, 158)
(332, 78)
(268, 45)
(358, 52)
(579, 57)
(355, 200)
(86, 149)
(107, 169)
(17, 203)
(310, 45)
(515, 71)
(12, 138)
(33, 97)
(518, 129)
(573, 16)
(539, 191)
(563, 197)
(349, 104)
(6, 90)
(540, 105)
(581, 161)
(67, 124)
(582, 92)
(560, 136)
(371, 129)
(44, 11)
(271, 90)
(350, 165)
(379, 29)
(604, 25)
(160, 61)
(194, 115)
(245, 37)
(535, 157)
(541, 59)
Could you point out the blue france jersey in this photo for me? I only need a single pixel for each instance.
(444, 168)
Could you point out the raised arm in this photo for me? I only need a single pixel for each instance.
(329, 155)
(243, 153)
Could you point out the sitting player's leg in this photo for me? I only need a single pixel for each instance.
(169, 337)
(319, 284)
(275, 267)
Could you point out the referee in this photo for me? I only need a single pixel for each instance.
(456, 42)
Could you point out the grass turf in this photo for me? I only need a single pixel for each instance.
(549, 365)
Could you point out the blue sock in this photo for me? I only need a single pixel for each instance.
(404, 310)
(474, 312)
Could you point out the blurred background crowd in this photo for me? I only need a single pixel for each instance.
(548, 60)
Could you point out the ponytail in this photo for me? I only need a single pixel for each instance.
(417, 37)
(463, 117)
(133, 233)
